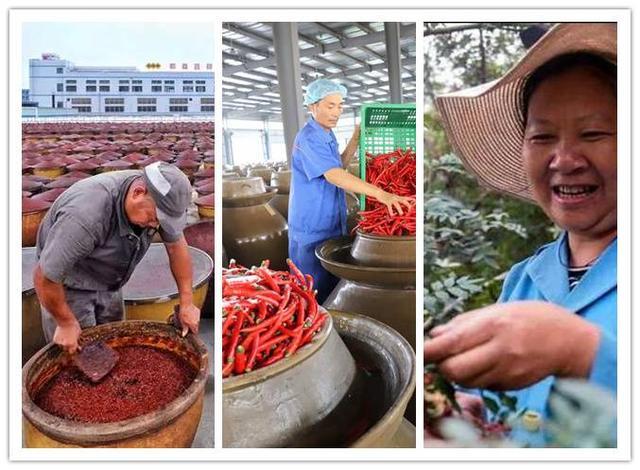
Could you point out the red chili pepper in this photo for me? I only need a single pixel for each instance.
(268, 314)
(296, 272)
(254, 353)
(295, 343)
(240, 363)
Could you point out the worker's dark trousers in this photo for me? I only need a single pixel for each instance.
(91, 308)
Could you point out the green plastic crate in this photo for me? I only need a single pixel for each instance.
(385, 128)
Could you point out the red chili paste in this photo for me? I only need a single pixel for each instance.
(144, 380)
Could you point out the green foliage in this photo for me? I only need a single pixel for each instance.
(582, 415)
(472, 235)
(472, 238)
(462, 56)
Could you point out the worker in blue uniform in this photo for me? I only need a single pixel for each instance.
(317, 204)
(557, 314)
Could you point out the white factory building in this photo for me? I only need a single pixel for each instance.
(172, 89)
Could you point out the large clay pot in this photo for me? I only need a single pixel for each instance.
(252, 231)
(377, 279)
(319, 397)
(33, 212)
(173, 425)
(32, 334)
(205, 206)
(152, 294)
(281, 180)
(381, 349)
(48, 169)
(200, 235)
(262, 172)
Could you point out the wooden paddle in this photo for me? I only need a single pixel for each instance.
(95, 360)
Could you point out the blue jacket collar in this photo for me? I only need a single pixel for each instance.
(328, 135)
(548, 270)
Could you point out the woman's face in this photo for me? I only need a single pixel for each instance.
(570, 151)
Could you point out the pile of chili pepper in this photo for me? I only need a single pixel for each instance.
(395, 173)
(267, 315)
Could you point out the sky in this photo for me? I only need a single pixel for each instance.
(118, 44)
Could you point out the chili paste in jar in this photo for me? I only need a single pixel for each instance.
(144, 380)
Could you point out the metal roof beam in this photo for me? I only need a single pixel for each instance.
(247, 49)
(359, 87)
(359, 41)
(352, 72)
(233, 27)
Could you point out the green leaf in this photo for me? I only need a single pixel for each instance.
(491, 404)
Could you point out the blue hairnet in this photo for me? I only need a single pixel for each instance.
(320, 88)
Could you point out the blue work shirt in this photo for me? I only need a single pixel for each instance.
(317, 208)
(544, 276)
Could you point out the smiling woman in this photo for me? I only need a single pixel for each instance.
(569, 149)
(544, 132)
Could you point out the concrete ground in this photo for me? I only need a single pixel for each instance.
(204, 434)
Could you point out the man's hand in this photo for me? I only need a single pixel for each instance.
(513, 345)
(66, 336)
(180, 263)
(394, 202)
(190, 318)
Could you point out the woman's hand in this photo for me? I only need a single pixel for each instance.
(394, 202)
(513, 345)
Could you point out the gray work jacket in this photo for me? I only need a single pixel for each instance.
(85, 241)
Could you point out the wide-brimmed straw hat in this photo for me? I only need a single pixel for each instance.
(484, 123)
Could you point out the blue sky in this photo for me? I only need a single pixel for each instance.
(118, 44)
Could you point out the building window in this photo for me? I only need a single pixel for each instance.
(114, 101)
(136, 82)
(114, 109)
(91, 89)
(105, 82)
(169, 88)
(178, 109)
(156, 88)
(123, 82)
(71, 88)
(136, 88)
(169, 82)
(80, 101)
(59, 88)
(59, 104)
(201, 89)
(123, 88)
(82, 109)
(207, 109)
(156, 82)
(146, 109)
(146, 101)
(105, 88)
(187, 89)
(178, 100)
(207, 100)
(59, 70)
(91, 82)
